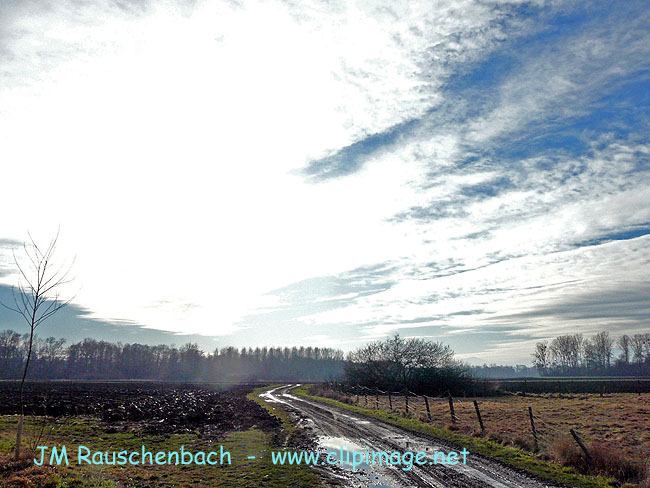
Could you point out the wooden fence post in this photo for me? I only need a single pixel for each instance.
(580, 443)
(390, 402)
(406, 400)
(377, 401)
(532, 426)
(451, 409)
(426, 403)
(480, 419)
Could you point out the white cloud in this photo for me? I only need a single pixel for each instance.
(161, 139)
(527, 262)
(165, 139)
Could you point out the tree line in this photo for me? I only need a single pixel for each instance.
(503, 371)
(91, 359)
(576, 355)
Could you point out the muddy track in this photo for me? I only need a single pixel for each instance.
(327, 421)
(153, 407)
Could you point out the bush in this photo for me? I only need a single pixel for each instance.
(606, 460)
(396, 364)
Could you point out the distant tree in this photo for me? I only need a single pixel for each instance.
(624, 343)
(576, 350)
(10, 356)
(541, 357)
(190, 358)
(590, 354)
(566, 351)
(35, 299)
(573, 354)
(501, 371)
(603, 345)
(637, 344)
(52, 349)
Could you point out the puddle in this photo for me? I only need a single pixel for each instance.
(270, 398)
(341, 450)
(338, 453)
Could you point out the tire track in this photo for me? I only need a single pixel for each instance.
(330, 422)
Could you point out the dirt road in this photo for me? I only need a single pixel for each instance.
(342, 431)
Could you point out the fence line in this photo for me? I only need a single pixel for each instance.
(406, 402)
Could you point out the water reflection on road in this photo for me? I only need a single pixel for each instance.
(342, 450)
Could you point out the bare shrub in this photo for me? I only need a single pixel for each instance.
(606, 460)
(323, 391)
(566, 452)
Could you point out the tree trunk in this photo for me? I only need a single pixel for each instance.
(19, 434)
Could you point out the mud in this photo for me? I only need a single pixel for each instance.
(334, 426)
(155, 407)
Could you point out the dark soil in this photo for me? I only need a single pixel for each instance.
(155, 407)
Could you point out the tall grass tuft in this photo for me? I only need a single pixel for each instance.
(606, 460)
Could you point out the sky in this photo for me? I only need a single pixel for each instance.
(329, 173)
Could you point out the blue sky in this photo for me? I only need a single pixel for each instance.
(327, 173)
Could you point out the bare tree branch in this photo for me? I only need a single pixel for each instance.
(39, 300)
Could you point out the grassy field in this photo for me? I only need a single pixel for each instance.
(614, 426)
(622, 419)
(115, 436)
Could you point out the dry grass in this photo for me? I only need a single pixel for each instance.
(24, 473)
(606, 460)
(621, 420)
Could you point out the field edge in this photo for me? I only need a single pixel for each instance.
(510, 456)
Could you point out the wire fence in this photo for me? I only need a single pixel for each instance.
(526, 429)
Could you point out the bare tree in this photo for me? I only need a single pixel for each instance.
(624, 343)
(404, 363)
(566, 351)
(576, 348)
(589, 353)
(637, 344)
(36, 298)
(51, 349)
(541, 356)
(9, 351)
(603, 346)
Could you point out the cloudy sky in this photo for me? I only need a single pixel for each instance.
(330, 172)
